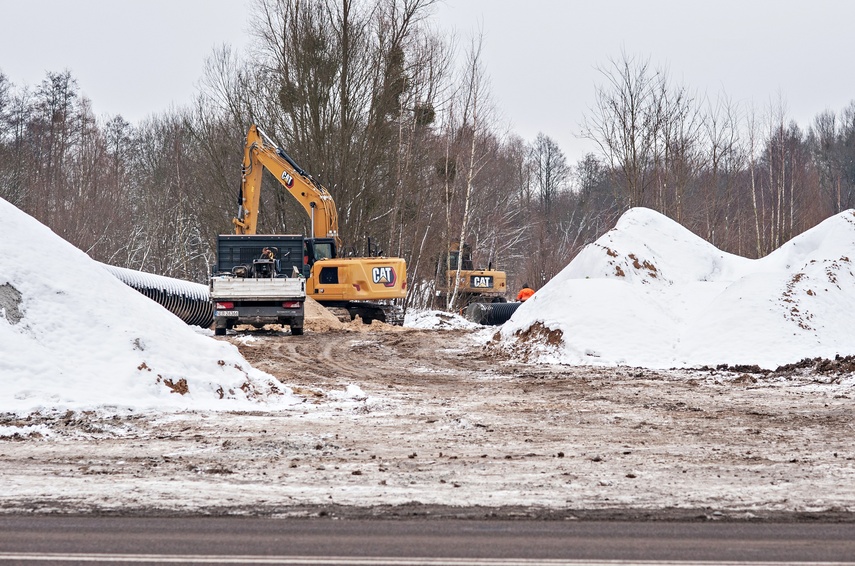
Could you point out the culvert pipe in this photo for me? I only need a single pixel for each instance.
(491, 314)
(191, 302)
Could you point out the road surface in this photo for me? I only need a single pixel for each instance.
(67, 539)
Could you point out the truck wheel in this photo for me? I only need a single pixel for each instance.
(219, 331)
(296, 331)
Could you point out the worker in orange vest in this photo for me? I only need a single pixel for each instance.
(525, 293)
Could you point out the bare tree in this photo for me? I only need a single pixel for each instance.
(348, 78)
(720, 132)
(5, 104)
(757, 208)
(832, 143)
(475, 121)
(551, 172)
(624, 124)
(677, 153)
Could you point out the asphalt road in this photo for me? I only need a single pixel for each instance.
(80, 540)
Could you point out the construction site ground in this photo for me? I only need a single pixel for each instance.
(396, 422)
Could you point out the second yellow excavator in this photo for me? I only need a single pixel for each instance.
(470, 285)
(359, 286)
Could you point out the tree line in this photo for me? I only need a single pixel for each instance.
(370, 99)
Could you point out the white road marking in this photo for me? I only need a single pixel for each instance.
(367, 561)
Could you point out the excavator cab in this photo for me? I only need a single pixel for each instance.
(319, 248)
(454, 256)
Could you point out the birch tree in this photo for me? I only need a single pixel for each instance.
(475, 121)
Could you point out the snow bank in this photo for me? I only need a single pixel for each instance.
(650, 293)
(73, 336)
(436, 320)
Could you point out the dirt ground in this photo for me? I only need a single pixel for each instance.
(400, 422)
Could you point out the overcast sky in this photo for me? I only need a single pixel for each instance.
(139, 57)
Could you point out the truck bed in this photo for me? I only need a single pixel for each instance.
(248, 289)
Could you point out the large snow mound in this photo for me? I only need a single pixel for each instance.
(73, 336)
(650, 293)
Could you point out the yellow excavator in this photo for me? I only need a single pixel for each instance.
(349, 286)
(472, 285)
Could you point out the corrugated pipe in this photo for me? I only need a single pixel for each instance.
(191, 302)
(491, 314)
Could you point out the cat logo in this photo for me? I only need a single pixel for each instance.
(482, 281)
(289, 180)
(384, 275)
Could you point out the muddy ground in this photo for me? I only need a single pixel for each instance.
(398, 422)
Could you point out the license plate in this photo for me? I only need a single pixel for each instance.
(226, 313)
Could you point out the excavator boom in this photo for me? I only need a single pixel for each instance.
(261, 153)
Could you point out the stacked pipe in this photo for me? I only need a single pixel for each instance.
(191, 302)
(491, 314)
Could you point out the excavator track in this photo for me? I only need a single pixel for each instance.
(367, 312)
(341, 313)
(393, 314)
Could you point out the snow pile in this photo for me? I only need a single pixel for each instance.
(650, 293)
(436, 320)
(351, 393)
(73, 336)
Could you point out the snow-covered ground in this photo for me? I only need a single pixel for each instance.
(436, 320)
(73, 336)
(110, 403)
(395, 422)
(649, 293)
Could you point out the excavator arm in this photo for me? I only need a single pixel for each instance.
(261, 153)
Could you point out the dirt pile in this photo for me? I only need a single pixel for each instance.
(531, 342)
(319, 319)
(839, 366)
(10, 302)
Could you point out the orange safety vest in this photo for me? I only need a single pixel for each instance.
(524, 294)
